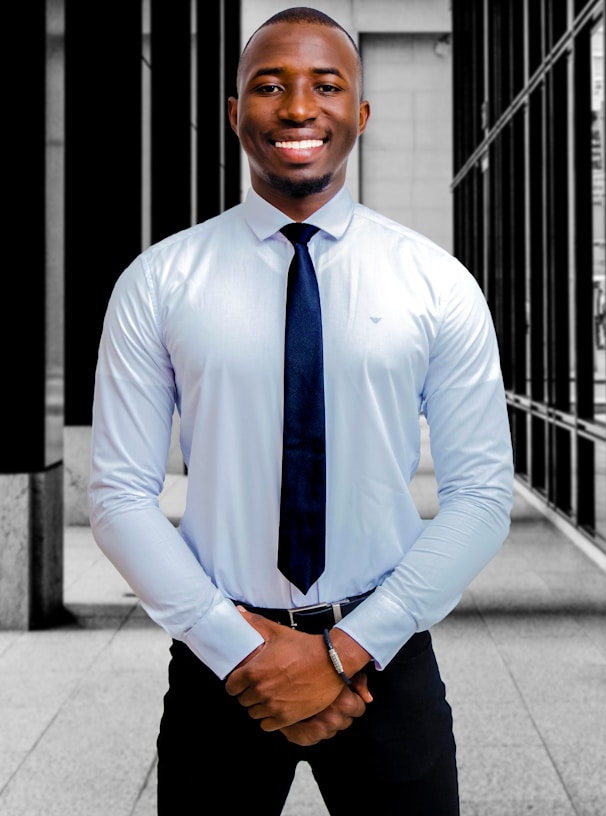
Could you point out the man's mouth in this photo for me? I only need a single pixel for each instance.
(304, 144)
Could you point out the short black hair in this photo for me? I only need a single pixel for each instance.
(303, 14)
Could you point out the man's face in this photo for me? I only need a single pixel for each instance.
(298, 112)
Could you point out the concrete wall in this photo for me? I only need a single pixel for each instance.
(406, 151)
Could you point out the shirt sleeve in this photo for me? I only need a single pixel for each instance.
(134, 403)
(465, 407)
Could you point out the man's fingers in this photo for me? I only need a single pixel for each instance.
(264, 626)
(360, 683)
(325, 725)
(305, 735)
(352, 705)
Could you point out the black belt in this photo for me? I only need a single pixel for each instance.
(310, 619)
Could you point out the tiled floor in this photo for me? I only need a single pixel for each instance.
(523, 657)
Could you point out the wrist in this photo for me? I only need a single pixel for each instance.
(353, 657)
(250, 656)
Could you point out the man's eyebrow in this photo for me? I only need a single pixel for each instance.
(278, 71)
(331, 70)
(267, 72)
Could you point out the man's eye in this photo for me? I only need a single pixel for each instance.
(268, 89)
(326, 87)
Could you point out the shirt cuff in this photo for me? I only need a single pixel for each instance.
(221, 639)
(380, 626)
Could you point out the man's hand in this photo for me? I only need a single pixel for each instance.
(337, 717)
(289, 679)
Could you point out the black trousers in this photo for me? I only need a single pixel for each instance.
(398, 758)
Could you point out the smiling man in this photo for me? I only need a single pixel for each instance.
(266, 668)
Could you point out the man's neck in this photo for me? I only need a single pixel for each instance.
(297, 208)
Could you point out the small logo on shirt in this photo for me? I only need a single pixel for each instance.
(376, 319)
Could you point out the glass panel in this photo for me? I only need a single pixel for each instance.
(537, 349)
(584, 476)
(561, 469)
(517, 51)
(557, 22)
(599, 284)
(535, 35)
(537, 454)
(600, 492)
(518, 420)
(518, 249)
(560, 282)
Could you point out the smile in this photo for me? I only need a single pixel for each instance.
(305, 144)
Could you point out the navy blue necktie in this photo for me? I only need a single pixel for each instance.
(303, 498)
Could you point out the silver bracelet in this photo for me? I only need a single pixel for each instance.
(335, 660)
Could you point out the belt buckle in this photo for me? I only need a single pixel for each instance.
(303, 609)
(336, 611)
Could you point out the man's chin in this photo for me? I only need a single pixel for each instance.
(299, 188)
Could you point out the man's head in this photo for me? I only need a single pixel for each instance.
(299, 112)
(302, 14)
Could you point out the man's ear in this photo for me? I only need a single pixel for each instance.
(232, 112)
(364, 115)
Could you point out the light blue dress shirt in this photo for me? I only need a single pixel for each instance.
(197, 321)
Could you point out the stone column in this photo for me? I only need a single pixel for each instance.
(31, 454)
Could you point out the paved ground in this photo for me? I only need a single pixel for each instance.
(523, 657)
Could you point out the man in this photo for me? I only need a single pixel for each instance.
(198, 321)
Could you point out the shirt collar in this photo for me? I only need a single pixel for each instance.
(265, 220)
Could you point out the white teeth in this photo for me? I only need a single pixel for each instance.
(303, 145)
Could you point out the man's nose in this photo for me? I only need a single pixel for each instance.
(299, 105)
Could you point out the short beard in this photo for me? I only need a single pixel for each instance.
(299, 189)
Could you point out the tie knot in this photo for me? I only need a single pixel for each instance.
(299, 233)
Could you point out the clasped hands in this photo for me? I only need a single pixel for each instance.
(289, 684)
